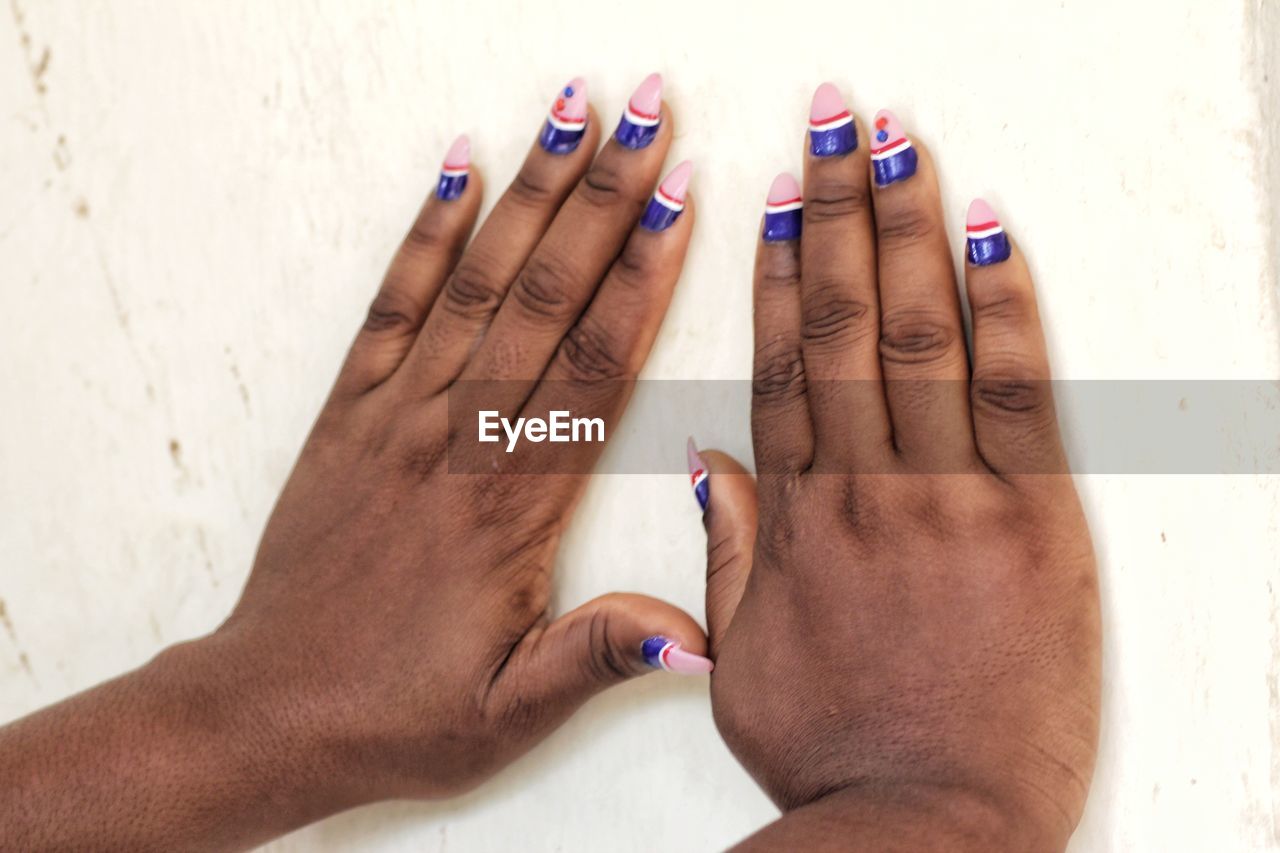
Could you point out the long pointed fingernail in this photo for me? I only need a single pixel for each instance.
(987, 243)
(831, 128)
(698, 475)
(783, 210)
(639, 123)
(567, 121)
(457, 165)
(892, 156)
(662, 653)
(668, 200)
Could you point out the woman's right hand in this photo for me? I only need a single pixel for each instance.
(907, 651)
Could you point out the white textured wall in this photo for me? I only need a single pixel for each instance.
(197, 198)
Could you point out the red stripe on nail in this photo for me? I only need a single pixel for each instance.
(892, 144)
(640, 114)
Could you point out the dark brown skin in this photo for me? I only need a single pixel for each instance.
(908, 650)
(905, 620)
(393, 639)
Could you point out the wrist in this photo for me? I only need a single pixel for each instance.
(251, 727)
(908, 817)
(192, 751)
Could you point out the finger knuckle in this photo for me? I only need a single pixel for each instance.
(605, 185)
(635, 267)
(859, 508)
(726, 557)
(778, 268)
(905, 227)
(779, 372)
(531, 190)
(932, 511)
(832, 318)
(589, 354)
(1005, 395)
(779, 275)
(1002, 304)
(428, 235)
(607, 662)
(913, 337)
(391, 311)
(471, 293)
(542, 289)
(994, 511)
(835, 200)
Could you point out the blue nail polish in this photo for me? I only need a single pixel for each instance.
(987, 243)
(453, 174)
(639, 123)
(452, 183)
(661, 213)
(892, 156)
(567, 121)
(832, 132)
(699, 477)
(833, 137)
(701, 487)
(668, 200)
(784, 211)
(653, 649)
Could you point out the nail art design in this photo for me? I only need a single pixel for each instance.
(783, 210)
(457, 165)
(987, 243)
(892, 157)
(668, 201)
(639, 123)
(664, 654)
(698, 475)
(831, 128)
(567, 120)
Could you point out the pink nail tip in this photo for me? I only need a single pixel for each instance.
(459, 155)
(980, 216)
(646, 100)
(666, 654)
(695, 460)
(571, 101)
(887, 131)
(679, 661)
(676, 184)
(784, 189)
(827, 104)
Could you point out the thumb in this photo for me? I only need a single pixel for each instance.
(605, 641)
(727, 494)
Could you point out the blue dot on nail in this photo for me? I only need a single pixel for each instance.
(568, 91)
(881, 136)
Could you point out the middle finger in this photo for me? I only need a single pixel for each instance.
(922, 343)
(840, 303)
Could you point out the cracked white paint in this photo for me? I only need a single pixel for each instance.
(198, 199)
